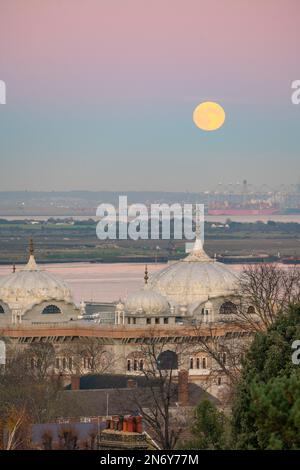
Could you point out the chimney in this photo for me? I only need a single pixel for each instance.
(131, 383)
(75, 382)
(183, 388)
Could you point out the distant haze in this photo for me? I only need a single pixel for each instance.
(100, 94)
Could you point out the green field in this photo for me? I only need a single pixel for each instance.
(59, 242)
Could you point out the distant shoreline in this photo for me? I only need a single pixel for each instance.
(284, 218)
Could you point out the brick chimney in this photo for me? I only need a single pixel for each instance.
(131, 383)
(75, 382)
(183, 388)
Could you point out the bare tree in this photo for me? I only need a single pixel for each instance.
(158, 363)
(224, 346)
(265, 290)
(89, 354)
(41, 357)
(15, 426)
(22, 387)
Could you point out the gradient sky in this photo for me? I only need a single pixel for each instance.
(100, 93)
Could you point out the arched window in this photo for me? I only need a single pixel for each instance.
(191, 363)
(51, 309)
(167, 360)
(198, 363)
(135, 365)
(251, 309)
(141, 364)
(204, 363)
(64, 363)
(1, 309)
(128, 365)
(228, 308)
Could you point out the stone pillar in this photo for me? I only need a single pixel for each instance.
(183, 388)
(131, 383)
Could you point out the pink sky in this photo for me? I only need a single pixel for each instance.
(157, 47)
(108, 87)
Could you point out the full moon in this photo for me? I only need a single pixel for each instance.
(209, 116)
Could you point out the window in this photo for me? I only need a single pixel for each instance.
(70, 363)
(64, 363)
(51, 309)
(228, 308)
(219, 381)
(198, 363)
(87, 363)
(128, 320)
(128, 365)
(134, 320)
(141, 364)
(57, 363)
(251, 309)
(156, 321)
(32, 363)
(224, 358)
(167, 360)
(135, 365)
(204, 363)
(1, 309)
(166, 321)
(191, 363)
(148, 321)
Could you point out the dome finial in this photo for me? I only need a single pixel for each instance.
(146, 277)
(31, 265)
(198, 246)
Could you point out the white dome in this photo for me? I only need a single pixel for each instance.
(194, 278)
(146, 301)
(30, 286)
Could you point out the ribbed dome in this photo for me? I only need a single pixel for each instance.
(32, 285)
(194, 278)
(146, 301)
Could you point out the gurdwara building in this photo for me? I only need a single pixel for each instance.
(190, 299)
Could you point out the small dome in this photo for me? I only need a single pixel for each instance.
(146, 301)
(194, 278)
(120, 305)
(31, 285)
